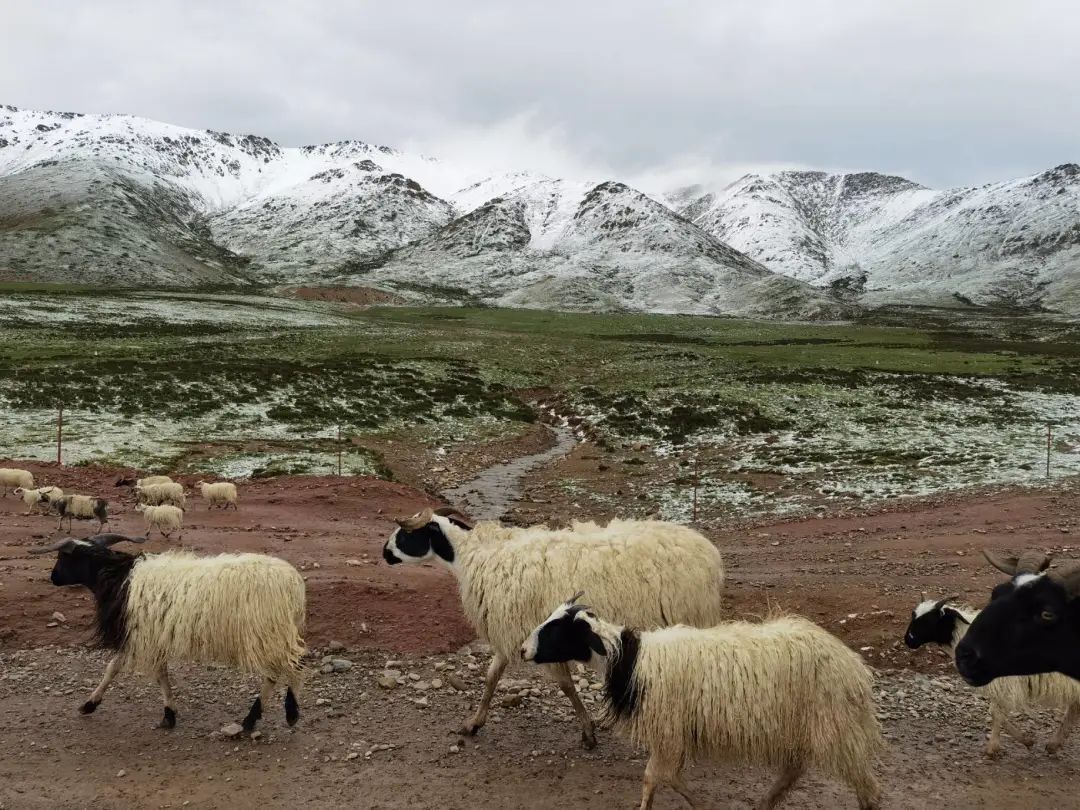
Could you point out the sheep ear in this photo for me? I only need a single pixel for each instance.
(1069, 577)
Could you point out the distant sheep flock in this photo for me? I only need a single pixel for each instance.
(679, 678)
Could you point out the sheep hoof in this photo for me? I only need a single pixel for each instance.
(169, 720)
(993, 751)
(89, 707)
(1052, 747)
(588, 740)
(469, 729)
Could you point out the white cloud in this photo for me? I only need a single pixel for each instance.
(959, 92)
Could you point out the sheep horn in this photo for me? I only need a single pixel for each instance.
(417, 521)
(575, 597)
(59, 544)
(451, 512)
(1032, 562)
(106, 540)
(940, 603)
(924, 596)
(1006, 565)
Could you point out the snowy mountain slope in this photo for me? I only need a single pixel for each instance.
(618, 250)
(1015, 243)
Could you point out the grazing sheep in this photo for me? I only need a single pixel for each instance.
(154, 494)
(644, 572)
(242, 610)
(40, 497)
(933, 622)
(143, 482)
(80, 507)
(222, 492)
(1031, 626)
(11, 477)
(165, 517)
(783, 693)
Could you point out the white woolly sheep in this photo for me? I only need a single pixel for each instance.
(42, 497)
(164, 517)
(782, 693)
(11, 477)
(154, 494)
(644, 572)
(933, 622)
(222, 492)
(242, 610)
(144, 482)
(80, 507)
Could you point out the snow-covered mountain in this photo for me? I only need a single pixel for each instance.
(115, 199)
(886, 239)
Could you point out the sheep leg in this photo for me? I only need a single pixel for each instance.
(169, 718)
(106, 679)
(566, 684)
(266, 694)
(1064, 729)
(781, 787)
(999, 719)
(494, 673)
(292, 708)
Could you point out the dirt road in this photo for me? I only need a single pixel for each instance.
(858, 576)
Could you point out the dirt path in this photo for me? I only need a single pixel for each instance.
(856, 575)
(491, 494)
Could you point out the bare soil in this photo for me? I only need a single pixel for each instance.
(857, 574)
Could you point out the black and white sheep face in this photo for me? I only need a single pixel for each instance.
(1031, 626)
(568, 634)
(418, 545)
(931, 623)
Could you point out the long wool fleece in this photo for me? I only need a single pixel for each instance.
(642, 573)
(244, 610)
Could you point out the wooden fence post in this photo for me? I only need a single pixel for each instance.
(60, 434)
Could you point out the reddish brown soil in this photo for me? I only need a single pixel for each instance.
(858, 575)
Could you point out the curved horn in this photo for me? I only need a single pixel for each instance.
(575, 597)
(417, 521)
(1032, 562)
(925, 598)
(106, 540)
(1006, 565)
(451, 512)
(59, 544)
(940, 603)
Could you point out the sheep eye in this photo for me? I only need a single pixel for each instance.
(1048, 616)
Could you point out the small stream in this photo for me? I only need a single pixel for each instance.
(490, 494)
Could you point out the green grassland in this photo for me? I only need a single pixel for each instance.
(905, 403)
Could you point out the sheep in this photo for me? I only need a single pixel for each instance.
(80, 507)
(150, 480)
(782, 693)
(1031, 626)
(11, 477)
(934, 622)
(165, 517)
(223, 492)
(154, 494)
(242, 610)
(647, 573)
(42, 496)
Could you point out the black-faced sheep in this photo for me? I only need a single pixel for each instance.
(647, 573)
(80, 507)
(784, 694)
(242, 610)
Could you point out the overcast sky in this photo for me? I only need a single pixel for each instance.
(945, 92)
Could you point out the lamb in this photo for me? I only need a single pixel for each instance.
(42, 496)
(165, 517)
(782, 693)
(222, 492)
(646, 573)
(934, 622)
(242, 610)
(1031, 626)
(154, 494)
(80, 507)
(11, 477)
(150, 480)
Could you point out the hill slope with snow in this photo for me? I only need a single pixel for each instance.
(120, 200)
